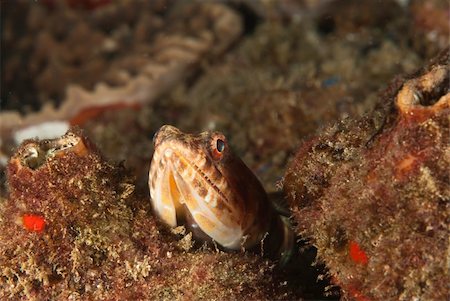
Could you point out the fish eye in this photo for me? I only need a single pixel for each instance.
(220, 145)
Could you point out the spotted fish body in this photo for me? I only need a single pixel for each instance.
(197, 181)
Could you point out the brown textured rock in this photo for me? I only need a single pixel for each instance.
(373, 194)
(74, 229)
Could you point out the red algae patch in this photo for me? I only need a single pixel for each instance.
(32, 222)
(357, 254)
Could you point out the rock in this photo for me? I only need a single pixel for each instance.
(373, 194)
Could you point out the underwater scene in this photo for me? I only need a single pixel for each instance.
(225, 150)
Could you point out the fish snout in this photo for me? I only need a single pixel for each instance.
(164, 133)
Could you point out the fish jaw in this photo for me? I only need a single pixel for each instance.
(163, 193)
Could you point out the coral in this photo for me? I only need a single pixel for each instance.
(103, 61)
(74, 228)
(372, 194)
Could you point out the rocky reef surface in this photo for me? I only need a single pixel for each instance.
(373, 194)
(73, 229)
(270, 75)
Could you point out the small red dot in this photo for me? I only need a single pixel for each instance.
(33, 222)
(357, 254)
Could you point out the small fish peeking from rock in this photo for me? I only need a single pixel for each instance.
(198, 182)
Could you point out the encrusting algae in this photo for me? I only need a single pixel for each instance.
(373, 194)
(266, 74)
(74, 229)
